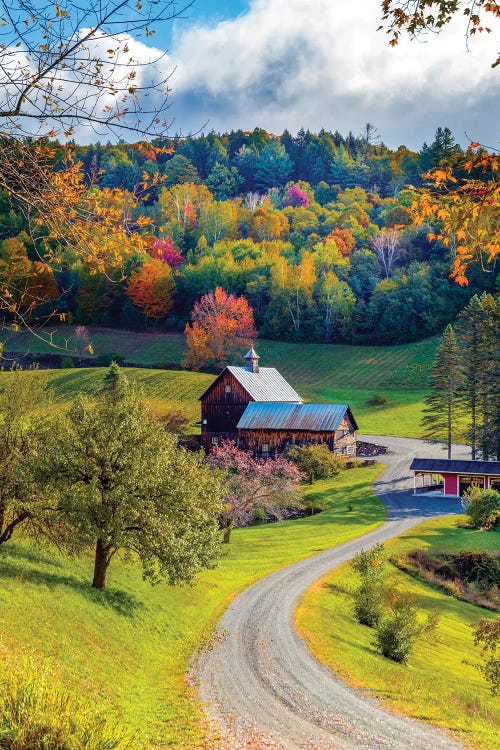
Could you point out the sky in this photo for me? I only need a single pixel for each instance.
(318, 64)
(288, 64)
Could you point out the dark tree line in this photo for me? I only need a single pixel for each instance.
(466, 380)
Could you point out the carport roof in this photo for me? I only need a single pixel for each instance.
(452, 466)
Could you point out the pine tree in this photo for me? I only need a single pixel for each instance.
(446, 379)
(479, 342)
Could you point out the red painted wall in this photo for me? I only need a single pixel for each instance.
(450, 484)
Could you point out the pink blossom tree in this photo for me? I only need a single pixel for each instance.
(272, 486)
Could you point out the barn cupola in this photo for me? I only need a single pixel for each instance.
(252, 360)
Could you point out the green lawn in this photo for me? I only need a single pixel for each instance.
(436, 685)
(319, 372)
(128, 647)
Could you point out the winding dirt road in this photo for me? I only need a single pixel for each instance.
(259, 677)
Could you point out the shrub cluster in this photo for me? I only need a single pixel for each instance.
(392, 613)
(471, 576)
(482, 507)
(316, 461)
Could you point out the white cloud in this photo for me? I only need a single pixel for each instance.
(321, 63)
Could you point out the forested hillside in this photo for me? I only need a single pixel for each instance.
(317, 231)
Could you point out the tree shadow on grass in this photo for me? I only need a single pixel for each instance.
(121, 602)
(29, 554)
(334, 588)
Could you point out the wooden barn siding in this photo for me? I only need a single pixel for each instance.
(222, 410)
(280, 440)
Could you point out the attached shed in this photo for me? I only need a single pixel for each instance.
(269, 428)
(457, 476)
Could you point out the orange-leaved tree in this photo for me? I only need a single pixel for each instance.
(222, 326)
(466, 213)
(151, 289)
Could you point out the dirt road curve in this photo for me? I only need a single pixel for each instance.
(259, 678)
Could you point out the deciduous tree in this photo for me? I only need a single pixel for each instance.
(386, 245)
(423, 16)
(271, 486)
(487, 636)
(24, 427)
(222, 326)
(151, 289)
(121, 483)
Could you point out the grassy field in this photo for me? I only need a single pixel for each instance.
(437, 685)
(163, 389)
(128, 647)
(319, 372)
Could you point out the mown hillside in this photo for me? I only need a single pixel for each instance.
(319, 372)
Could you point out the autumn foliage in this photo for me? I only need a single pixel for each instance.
(151, 289)
(165, 251)
(222, 326)
(467, 212)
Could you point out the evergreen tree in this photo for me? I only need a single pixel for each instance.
(223, 181)
(479, 342)
(274, 166)
(446, 379)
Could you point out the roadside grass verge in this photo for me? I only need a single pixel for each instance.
(437, 685)
(127, 648)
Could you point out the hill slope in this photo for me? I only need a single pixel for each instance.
(319, 372)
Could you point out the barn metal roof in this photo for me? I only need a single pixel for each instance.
(452, 466)
(265, 385)
(304, 417)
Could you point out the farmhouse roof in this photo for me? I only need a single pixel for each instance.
(265, 385)
(285, 416)
(452, 466)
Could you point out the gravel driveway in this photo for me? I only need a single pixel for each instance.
(259, 679)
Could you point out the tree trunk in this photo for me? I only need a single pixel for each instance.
(6, 533)
(100, 565)
(449, 429)
(227, 534)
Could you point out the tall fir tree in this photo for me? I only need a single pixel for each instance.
(478, 337)
(443, 403)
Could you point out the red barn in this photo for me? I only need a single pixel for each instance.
(258, 409)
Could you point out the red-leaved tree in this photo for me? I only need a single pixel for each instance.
(166, 251)
(271, 486)
(222, 326)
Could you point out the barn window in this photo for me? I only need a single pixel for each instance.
(265, 447)
(204, 421)
(350, 450)
(227, 388)
(215, 440)
(338, 452)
